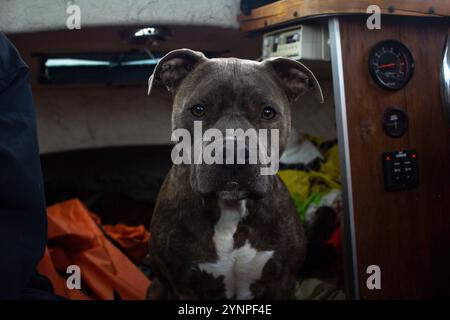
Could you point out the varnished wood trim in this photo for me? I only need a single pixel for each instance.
(290, 10)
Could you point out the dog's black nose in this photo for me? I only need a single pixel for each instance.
(235, 152)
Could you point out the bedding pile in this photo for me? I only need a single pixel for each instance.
(106, 255)
(310, 170)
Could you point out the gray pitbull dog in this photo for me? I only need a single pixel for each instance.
(225, 231)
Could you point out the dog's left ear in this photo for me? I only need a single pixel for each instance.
(174, 67)
(295, 78)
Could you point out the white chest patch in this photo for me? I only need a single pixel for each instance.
(240, 267)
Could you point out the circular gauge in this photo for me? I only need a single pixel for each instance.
(395, 122)
(391, 64)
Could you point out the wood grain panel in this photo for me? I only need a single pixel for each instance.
(406, 233)
(290, 10)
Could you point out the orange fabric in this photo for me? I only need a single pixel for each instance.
(47, 268)
(134, 240)
(74, 238)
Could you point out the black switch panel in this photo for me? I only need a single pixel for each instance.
(400, 170)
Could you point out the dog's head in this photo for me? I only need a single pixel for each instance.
(233, 96)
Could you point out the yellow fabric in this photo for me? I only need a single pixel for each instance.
(331, 167)
(308, 187)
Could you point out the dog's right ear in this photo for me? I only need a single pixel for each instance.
(174, 67)
(295, 77)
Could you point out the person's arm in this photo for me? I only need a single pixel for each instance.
(23, 223)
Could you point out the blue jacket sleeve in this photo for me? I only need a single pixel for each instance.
(23, 227)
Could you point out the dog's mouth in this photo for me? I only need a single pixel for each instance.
(232, 192)
(229, 186)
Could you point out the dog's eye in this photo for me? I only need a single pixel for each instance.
(269, 113)
(198, 110)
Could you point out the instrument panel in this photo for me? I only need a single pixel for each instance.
(391, 65)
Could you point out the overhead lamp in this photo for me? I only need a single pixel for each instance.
(153, 35)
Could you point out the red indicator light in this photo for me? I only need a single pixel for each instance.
(388, 158)
(413, 155)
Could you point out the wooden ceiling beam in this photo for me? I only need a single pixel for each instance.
(290, 10)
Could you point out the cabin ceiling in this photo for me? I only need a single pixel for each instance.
(27, 15)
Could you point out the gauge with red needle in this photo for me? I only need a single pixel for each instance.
(391, 64)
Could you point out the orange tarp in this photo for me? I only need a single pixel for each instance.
(75, 239)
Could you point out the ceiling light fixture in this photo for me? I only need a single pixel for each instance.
(153, 35)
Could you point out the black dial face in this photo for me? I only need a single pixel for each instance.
(391, 64)
(395, 122)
